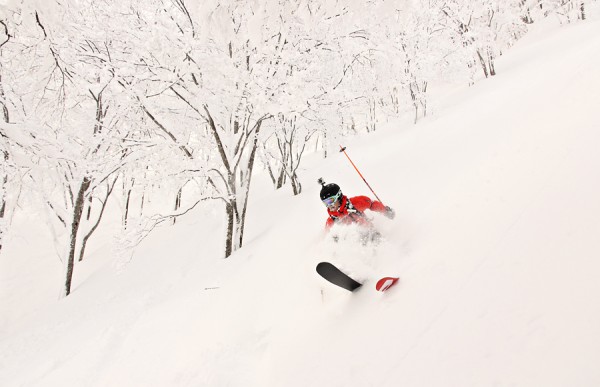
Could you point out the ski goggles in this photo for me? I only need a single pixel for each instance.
(330, 201)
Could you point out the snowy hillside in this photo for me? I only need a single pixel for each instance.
(496, 243)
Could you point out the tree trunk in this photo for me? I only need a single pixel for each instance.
(276, 172)
(490, 62)
(238, 232)
(77, 213)
(423, 99)
(526, 15)
(3, 200)
(236, 195)
(372, 125)
(177, 203)
(142, 201)
(229, 235)
(416, 106)
(395, 100)
(6, 119)
(483, 64)
(93, 229)
(2, 209)
(6, 116)
(281, 178)
(246, 187)
(89, 208)
(296, 186)
(127, 201)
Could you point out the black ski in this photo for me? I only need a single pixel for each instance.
(336, 276)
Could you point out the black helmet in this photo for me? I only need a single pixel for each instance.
(329, 190)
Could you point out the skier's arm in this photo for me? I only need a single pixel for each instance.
(378, 206)
(363, 203)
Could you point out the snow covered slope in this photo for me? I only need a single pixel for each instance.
(496, 241)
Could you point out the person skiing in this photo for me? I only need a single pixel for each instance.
(344, 210)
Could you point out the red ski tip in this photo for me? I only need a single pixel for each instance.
(385, 283)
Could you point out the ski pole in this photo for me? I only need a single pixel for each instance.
(343, 149)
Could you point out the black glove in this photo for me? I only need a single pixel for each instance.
(389, 212)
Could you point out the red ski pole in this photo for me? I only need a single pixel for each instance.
(343, 149)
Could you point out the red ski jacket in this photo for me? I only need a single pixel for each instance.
(352, 210)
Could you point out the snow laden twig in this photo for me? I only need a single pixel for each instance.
(130, 238)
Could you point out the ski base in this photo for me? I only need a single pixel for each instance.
(385, 283)
(337, 277)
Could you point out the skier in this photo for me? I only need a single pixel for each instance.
(344, 210)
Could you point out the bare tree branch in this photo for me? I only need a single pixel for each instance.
(8, 36)
(161, 127)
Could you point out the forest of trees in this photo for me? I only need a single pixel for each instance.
(121, 101)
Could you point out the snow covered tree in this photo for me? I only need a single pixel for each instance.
(566, 11)
(486, 28)
(179, 96)
(8, 170)
(291, 137)
(221, 71)
(4, 152)
(73, 124)
(411, 48)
